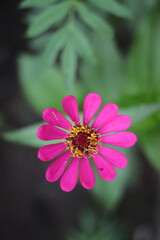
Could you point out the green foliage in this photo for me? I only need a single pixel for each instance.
(35, 3)
(40, 82)
(144, 58)
(150, 3)
(96, 228)
(113, 7)
(139, 113)
(27, 136)
(110, 193)
(93, 20)
(54, 45)
(149, 142)
(107, 76)
(149, 138)
(82, 43)
(69, 63)
(68, 21)
(147, 130)
(48, 17)
(76, 54)
(19, 135)
(139, 8)
(73, 40)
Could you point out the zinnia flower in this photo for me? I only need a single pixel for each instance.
(84, 142)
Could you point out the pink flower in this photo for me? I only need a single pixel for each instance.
(85, 142)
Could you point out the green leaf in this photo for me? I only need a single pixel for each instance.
(69, 65)
(149, 143)
(82, 43)
(139, 8)
(140, 112)
(40, 43)
(35, 3)
(94, 21)
(48, 18)
(107, 76)
(147, 131)
(113, 7)
(27, 136)
(144, 58)
(110, 193)
(42, 85)
(55, 44)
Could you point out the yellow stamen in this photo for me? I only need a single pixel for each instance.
(82, 140)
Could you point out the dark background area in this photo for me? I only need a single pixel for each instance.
(30, 207)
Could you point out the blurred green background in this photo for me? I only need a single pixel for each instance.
(75, 47)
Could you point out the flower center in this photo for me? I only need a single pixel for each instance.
(82, 140)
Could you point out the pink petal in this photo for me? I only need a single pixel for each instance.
(48, 132)
(87, 177)
(46, 153)
(119, 123)
(115, 157)
(70, 106)
(105, 169)
(92, 103)
(70, 176)
(57, 167)
(55, 118)
(121, 139)
(106, 114)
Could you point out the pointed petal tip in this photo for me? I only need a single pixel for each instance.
(119, 123)
(70, 106)
(66, 189)
(116, 158)
(104, 168)
(55, 118)
(88, 187)
(108, 112)
(49, 152)
(48, 132)
(121, 139)
(91, 105)
(40, 156)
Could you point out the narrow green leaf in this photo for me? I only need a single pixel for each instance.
(144, 58)
(140, 112)
(35, 3)
(94, 21)
(113, 7)
(107, 76)
(149, 143)
(27, 136)
(48, 18)
(41, 42)
(69, 64)
(55, 44)
(82, 43)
